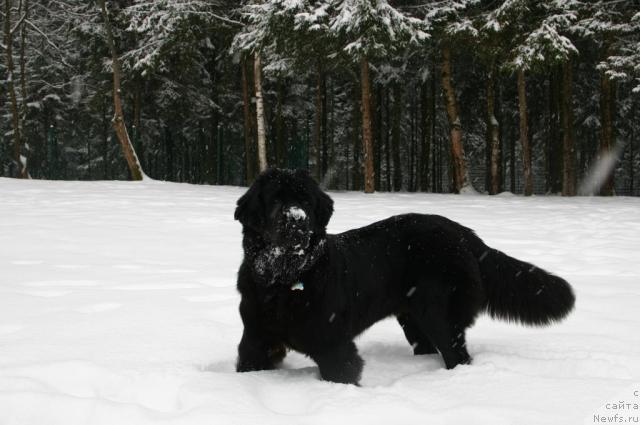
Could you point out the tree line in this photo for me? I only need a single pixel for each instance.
(376, 95)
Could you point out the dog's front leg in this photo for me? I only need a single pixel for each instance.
(256, 351)
(340, 363)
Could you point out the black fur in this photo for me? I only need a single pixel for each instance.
(313, 292)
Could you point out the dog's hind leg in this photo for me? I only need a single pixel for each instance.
(448, 338)
(417, 339)
(440, 314)
(340, 363)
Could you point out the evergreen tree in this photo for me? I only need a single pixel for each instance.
(613, 28)
(453, 27)
(367, 30)
(188, 91)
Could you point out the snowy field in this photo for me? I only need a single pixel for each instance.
(118, 306)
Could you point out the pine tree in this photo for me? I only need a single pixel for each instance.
(267, 27)
(191, 120)
(453, 27)
(367, 30)
(535, 29)
(613, 27)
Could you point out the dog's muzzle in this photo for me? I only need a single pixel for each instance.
(293, 230)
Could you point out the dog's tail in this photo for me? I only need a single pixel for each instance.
(521, 292)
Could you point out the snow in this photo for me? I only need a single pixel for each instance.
(52, 97)
(118, 306)
(600, 171)
(296, 213)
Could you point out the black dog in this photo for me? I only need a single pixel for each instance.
(313, 292)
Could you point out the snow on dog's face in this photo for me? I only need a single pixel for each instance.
(286, 208)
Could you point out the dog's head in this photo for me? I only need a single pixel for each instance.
(286, 208)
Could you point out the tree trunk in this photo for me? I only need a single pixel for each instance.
(493, 135)
(436, 178)
(412, 146)
(607, 105)
(324, 164)
(425, 139)
(169, 156)
(459, 167)
(21, 165)
(262, 143)
(105, 137)
(632, 152)
(248, 127)
(137, 118)
(367, 136)
(317, 125)
(356, 164)
(553, 155)
(209, 159)
(524, 134)
(377, 160)
(396, 136)
(23, 10)
(498, 111)
(347, 155)
(23, 81)
(89, 159)
(281, 132)
(213, 156)
(118, 117)
(330, 134)
(512, 160)
(387, 142)
(568, 142)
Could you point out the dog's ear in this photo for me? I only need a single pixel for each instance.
(249, 210)
(324, 207)
(324, 204)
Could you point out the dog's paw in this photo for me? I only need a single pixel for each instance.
(253, 366)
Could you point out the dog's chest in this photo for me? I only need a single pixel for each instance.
(288, 307)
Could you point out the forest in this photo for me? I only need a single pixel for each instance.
(447, 96)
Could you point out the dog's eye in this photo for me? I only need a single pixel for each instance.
(305, 202)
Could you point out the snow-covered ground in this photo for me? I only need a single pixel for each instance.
(118, 306)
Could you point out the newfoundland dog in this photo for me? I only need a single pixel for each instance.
(314, 292)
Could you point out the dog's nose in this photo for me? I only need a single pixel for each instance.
(295, 214)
